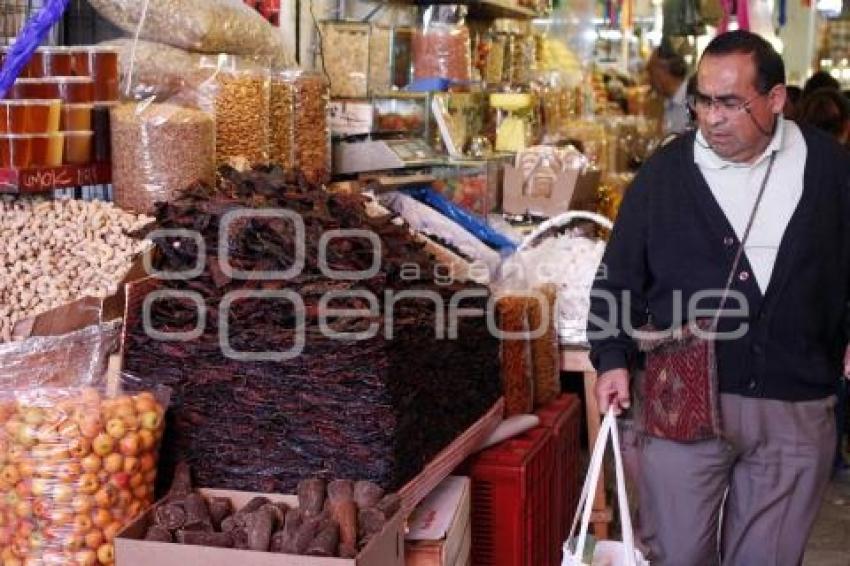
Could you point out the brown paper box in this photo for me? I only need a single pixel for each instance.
(385, 549)
(570, 191)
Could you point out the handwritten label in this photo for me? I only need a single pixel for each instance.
(48, 178)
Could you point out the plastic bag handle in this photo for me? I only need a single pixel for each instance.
(585, 507)
(562, 220)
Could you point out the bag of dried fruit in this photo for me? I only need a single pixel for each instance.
(78, 456)
(527, 309)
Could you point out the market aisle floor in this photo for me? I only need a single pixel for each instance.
(830, 541)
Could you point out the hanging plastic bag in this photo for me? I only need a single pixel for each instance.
(209, 26)
(605, 552)
(441, 46)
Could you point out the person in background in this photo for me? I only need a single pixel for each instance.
(751, 495)
(820, 80)
(668, 74)
(828, 110)
(792, 102)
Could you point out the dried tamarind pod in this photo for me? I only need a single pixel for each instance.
(367, 494)
(311, 497)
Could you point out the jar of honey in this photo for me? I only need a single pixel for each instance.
(78, 147)
(15, 151)
(46, 150)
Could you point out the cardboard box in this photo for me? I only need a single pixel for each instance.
(385, 549)
(571, 190)
(83, 312)
(439, 528)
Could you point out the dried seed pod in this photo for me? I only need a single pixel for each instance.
(201, 538)
(170, 516)
(157, 533)
(367, 494)
(197, 513)
(259, 526)
(220, 508)
(311, 496)
(326, 542)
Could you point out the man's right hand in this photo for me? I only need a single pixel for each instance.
(612, 391)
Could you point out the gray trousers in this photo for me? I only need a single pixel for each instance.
(764, 482)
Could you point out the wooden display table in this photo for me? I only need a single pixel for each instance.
(577, 359)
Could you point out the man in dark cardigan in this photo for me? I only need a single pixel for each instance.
(751, 496)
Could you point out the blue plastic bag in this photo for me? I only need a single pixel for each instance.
(472, 223)
(28, 40)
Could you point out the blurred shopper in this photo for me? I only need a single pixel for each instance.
(756, 205)
(828, 110)
(668, 74)
(820, 80)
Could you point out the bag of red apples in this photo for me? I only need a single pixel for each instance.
(77, 464)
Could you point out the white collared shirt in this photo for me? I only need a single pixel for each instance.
(735, 187)
(676, 117)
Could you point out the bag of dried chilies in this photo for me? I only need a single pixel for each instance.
(78, 459)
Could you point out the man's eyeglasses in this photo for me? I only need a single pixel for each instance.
(701, 103)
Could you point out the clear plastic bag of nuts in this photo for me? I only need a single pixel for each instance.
(159, 149)
(208, 26)
(300, 135)
(237, 93)
(78, 462)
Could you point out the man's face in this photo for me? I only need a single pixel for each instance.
(730, 111)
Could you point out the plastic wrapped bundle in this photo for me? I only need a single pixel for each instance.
(157, 151)
(516, 355)
(345, 57)
(78, 463)
(300, 137)
(442, 51)
(431, 223)
(208, 26)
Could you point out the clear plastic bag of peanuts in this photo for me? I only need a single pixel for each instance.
(442, 45)
(299, 130)
(78, 463)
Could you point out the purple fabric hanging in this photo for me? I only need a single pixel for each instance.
(28, 40)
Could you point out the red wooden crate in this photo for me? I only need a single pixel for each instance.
(512, 485)
(563, 417)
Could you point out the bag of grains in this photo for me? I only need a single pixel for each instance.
(300, 136)
(158, 150)
(237, 94)
(208, 26)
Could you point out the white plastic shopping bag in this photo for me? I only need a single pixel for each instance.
(606, 552)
